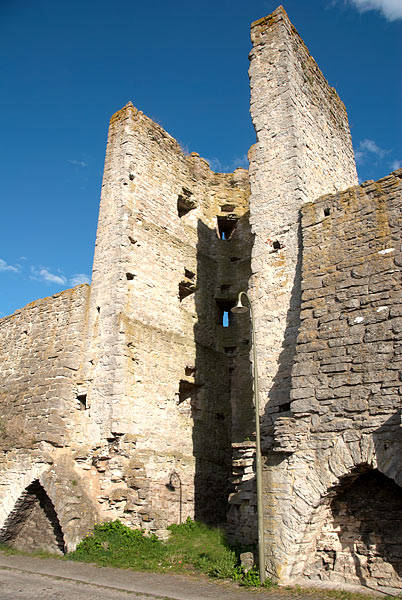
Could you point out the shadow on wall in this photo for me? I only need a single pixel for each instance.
(279, 401)
(221, 273)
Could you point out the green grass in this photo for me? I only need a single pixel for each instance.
(192, 546)
(115, 545)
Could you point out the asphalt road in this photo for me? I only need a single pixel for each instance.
(17, 585)
(30, 578)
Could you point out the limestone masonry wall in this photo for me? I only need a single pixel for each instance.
(40, 352)
(343, 442)
(159, 372)
(41, 418)
(142, 378)
(303, 150)
(132, 399)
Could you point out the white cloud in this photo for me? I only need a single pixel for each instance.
(241, 162)
(45, 275)
(79, 278)
(396, 164)
(5, 267)
(371, 146)
(78, 163)
(367, 149)
(216, 165)
(391, 9)
(219, 167)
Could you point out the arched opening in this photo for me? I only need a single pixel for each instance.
(360, 541)
(33, 524)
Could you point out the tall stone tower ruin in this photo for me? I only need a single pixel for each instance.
(136, 391)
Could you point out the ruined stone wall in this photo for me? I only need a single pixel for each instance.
(42, 418)
(41, 348)
(242, 517)
(122, 401)
(159, 383)
(303, 150)
(343, 443)
(117, 400)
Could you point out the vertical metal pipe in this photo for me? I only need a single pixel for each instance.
(258, 466)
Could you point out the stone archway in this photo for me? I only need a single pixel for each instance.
(33, 523)
(305, 486)
(361, 531)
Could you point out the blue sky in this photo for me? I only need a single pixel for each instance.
(68, 66)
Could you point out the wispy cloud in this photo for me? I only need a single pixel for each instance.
(242, 161)
(79, 278)
(42, 274)
(6, 267)
(368, 149)
(78, 163)
(396, 164)
(391, 9)
(216, 165)
(220, 167)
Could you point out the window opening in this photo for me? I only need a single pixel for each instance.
(226, 226)
(82, 399)
(187, 285)
(185, 202)
(224, 314)
(186, 288)
(327, 212)
(189, 274)
(130, 276)
(187, 390)
(230, 350)
(228, 207)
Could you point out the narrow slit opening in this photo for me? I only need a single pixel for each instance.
(185, 202)
(224, 314)
(82, 399)
(226, 226)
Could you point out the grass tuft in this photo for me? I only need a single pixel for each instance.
(191, 546)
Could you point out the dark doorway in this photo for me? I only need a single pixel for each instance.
(33, 525)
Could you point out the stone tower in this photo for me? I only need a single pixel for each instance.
(136, 391)
(326, 291)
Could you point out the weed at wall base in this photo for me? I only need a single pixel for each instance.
(191, 546)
